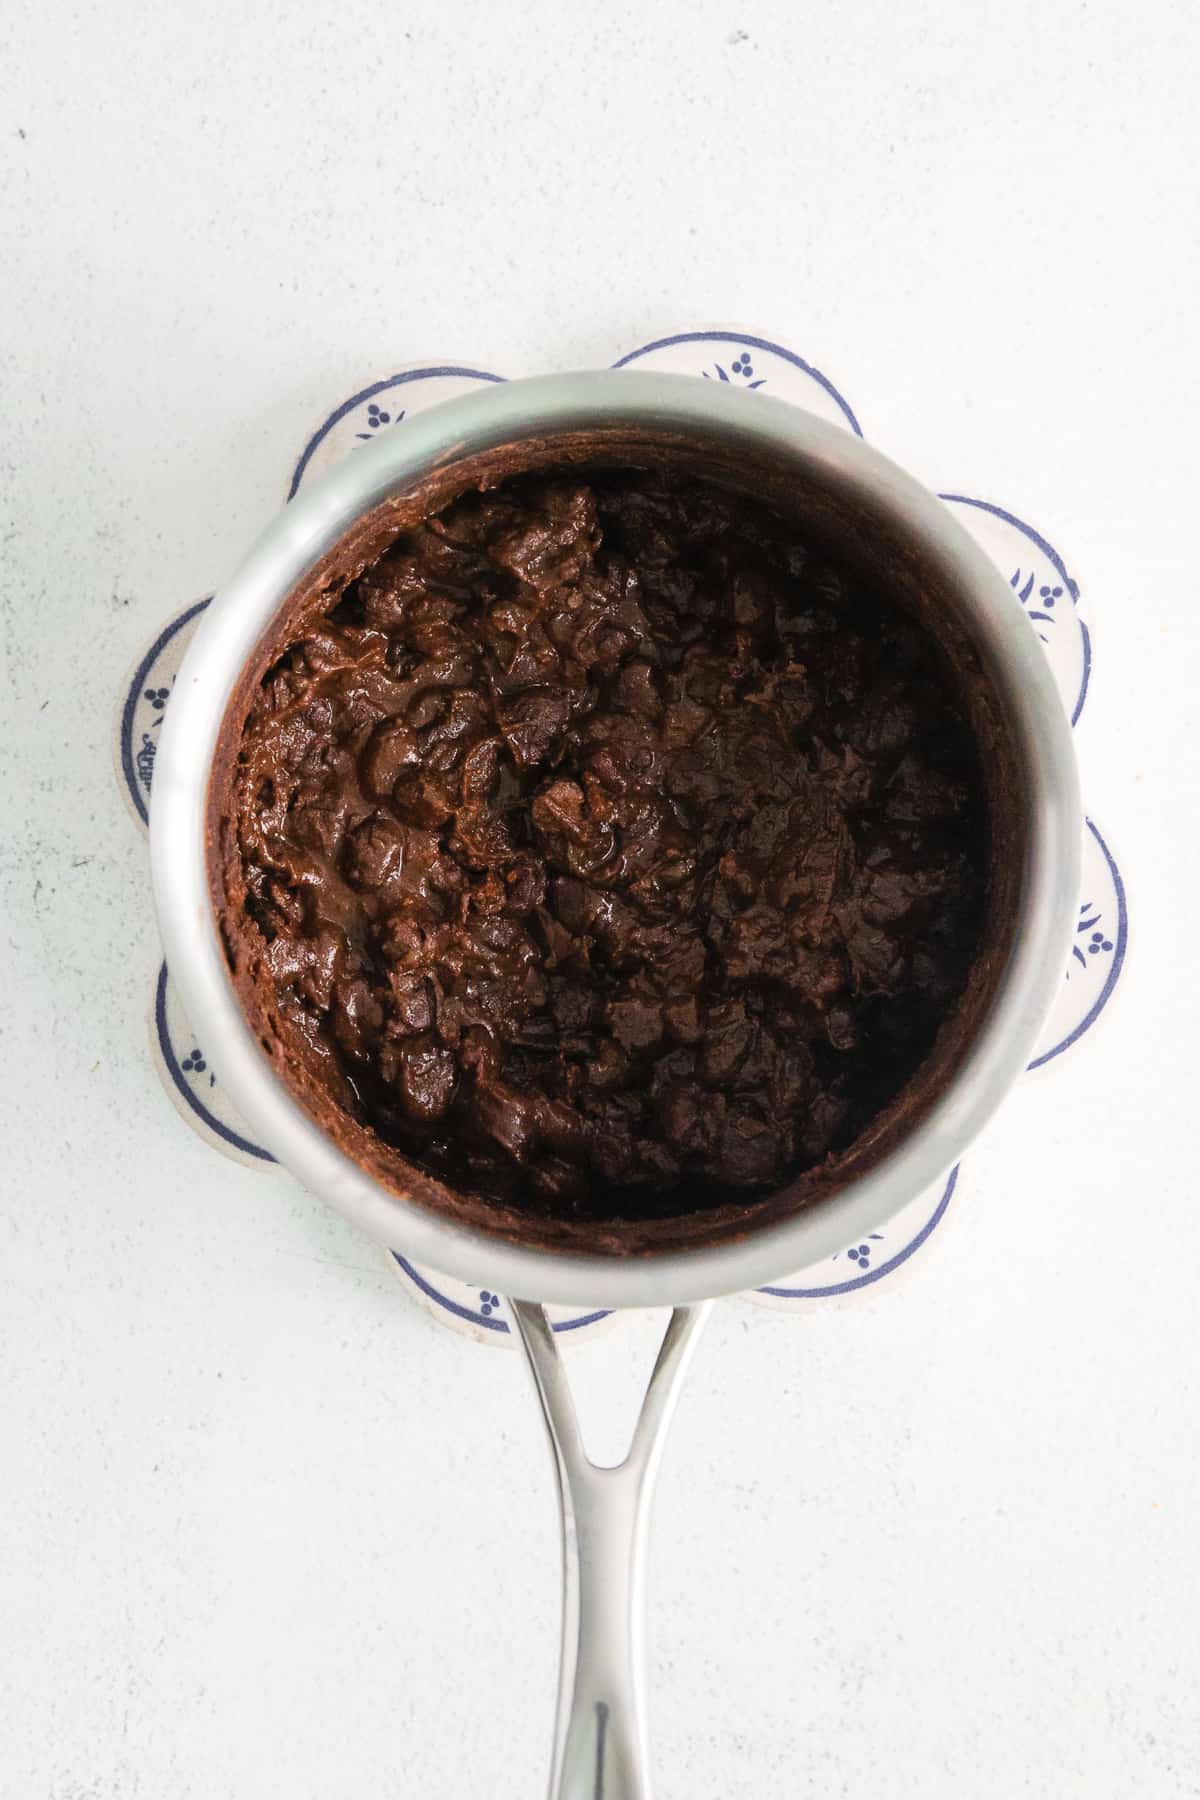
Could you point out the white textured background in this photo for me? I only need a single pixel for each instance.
(265, 1529)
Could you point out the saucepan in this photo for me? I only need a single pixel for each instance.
(863, 508)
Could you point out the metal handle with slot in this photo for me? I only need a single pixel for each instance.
(600, 1732)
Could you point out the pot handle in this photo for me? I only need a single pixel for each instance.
(600, 1731)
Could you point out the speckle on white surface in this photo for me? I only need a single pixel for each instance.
(266, 1530)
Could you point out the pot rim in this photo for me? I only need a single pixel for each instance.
(308, 528)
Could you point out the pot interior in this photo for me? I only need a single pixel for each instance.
(835, 519)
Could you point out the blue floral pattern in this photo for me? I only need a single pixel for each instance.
(744, 359)
(1097, 954)
(860, 1254)
(194, 1064)
(1041, 586)
(741, 368)
(156, 699)
(192, 1084)
(363, 415)
(1047, 599)
(1098, 942)
(377, 417)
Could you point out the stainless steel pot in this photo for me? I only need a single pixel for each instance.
(600, 1749)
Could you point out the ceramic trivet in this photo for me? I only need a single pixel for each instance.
(1040, 586)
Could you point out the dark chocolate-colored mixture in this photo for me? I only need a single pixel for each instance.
(610, 853)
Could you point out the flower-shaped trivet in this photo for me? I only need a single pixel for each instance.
(1040, 586)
